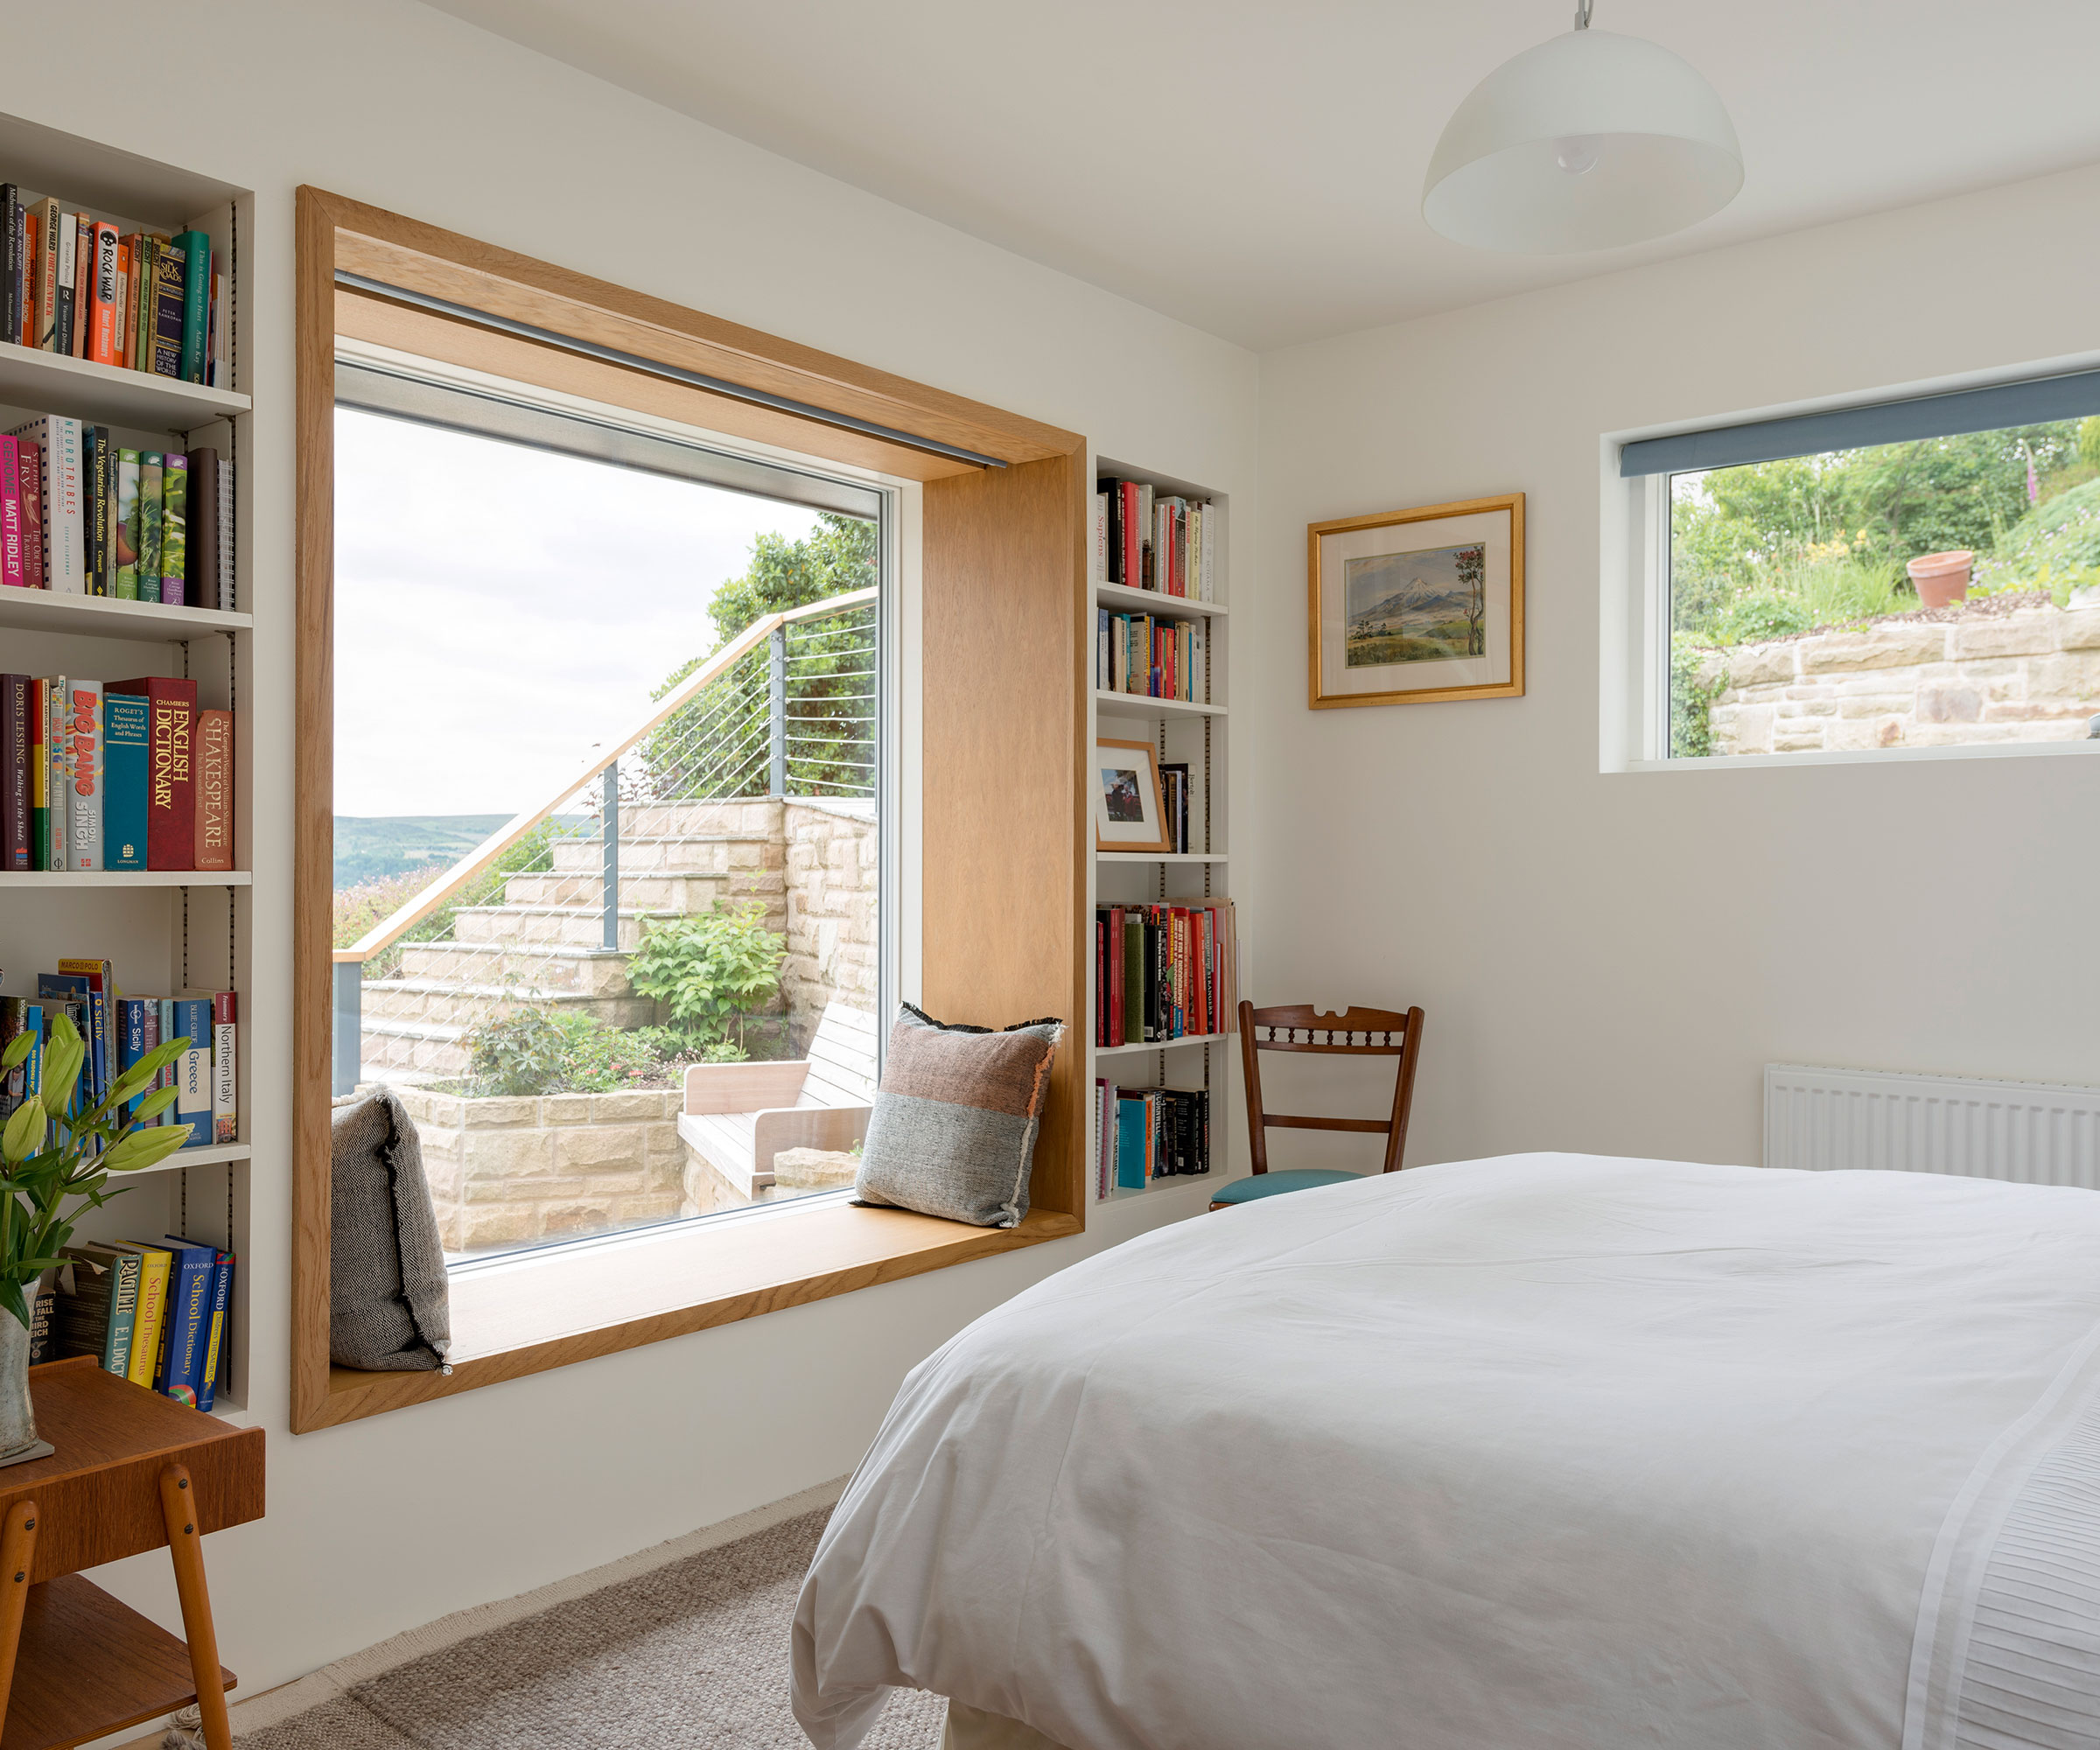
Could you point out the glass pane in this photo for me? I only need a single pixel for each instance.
(1943, 593)
(505, 617)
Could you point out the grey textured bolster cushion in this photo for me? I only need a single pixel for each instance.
(389, 1307)
(952, 1131)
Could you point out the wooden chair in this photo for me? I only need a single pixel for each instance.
(739, 1116)
(1353, 1033)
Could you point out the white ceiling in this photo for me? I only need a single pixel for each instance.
(1256, 169)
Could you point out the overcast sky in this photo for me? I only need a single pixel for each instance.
(499, 609)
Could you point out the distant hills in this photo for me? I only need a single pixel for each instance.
(1417, 600)
(365, 847)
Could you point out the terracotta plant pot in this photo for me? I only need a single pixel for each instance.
(1941, 579)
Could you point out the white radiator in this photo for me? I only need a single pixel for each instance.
(2037, 1132)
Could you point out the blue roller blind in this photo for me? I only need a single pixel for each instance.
(2033, 403)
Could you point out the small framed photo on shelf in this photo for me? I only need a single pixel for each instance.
(1417, 607)
(1127, 812)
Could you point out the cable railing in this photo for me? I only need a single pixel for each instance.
(786, 709)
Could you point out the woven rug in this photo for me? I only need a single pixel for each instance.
(691, 1656)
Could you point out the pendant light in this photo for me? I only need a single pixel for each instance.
(1588, 141)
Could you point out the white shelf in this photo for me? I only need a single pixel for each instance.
(1140, 704)
(220, 1155)
(107, 617)
(1154, 856)
(1150, 601)
(50, 382)
(124, 878)
(1173, 1181)
(1160, 1045)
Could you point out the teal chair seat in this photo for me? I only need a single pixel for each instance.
(1275, 1184)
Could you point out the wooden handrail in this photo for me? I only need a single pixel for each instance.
(477, 861)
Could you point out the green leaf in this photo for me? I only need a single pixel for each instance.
(11, 1297)
(18, 1050)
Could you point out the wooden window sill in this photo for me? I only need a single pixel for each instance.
(549, 1309)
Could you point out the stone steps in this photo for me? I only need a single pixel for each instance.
(425, 1049)
(589, 971)
(425, 1000)
(544, 944)
(555, 926)
(642, 892)
(697, 854)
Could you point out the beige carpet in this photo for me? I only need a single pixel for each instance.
(690, 1656)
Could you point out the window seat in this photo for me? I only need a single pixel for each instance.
(540, 1310)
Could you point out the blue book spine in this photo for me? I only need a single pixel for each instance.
(124, 760)
(1129, 1144)
(215, 1345)
(193, 1069)
(131, 1043)
(32, 1024)
(189, 1320)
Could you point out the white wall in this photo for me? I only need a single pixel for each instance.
(1607, 959)
(387, 1523)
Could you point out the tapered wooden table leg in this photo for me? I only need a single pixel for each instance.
(17, 1545)
(186, 1544)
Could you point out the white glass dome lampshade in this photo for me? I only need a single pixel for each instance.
(1588, 141)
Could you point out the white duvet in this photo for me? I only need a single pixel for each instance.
(1550, 1450)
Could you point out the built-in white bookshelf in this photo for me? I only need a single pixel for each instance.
(1194, 732)
(163, 931)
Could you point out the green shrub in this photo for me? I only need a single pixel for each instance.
(1756, 615)
(1691, 696)
(2054, 548)
(518, 1054)
(710, 968)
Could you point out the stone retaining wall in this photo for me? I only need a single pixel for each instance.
(2033, 675)
(507, 1172)
(832, 878)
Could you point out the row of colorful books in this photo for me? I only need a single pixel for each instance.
(1146, 1133)
(152, 1312)
(81, 515)
(1161, 659)
(116, 774)
(118, 1031)
(1164, 971)
(1144, 539)
(72, 284)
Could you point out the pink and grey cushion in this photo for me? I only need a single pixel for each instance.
(952, 1131)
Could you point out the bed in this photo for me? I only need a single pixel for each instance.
(1548, 1450)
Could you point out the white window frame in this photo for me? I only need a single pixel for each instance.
(1633, 598)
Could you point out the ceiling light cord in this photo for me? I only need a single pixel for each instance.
(1582, 14)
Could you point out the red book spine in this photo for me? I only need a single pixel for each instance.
(10, 517)
(170, 768)
(213, 745)
(29, 461)
(1116, 977)
(1133, 536)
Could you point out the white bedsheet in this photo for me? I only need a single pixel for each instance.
(1551, 1450)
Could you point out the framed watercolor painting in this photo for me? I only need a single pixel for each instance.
(1415, 606)
(1127, 812)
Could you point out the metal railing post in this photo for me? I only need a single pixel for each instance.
(612, 823)
(346, 1057)
(776, 711)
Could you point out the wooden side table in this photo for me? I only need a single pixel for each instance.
(131, 1471)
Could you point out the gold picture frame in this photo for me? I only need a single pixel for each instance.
(1128, 812)
(1430, 613)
